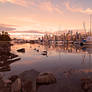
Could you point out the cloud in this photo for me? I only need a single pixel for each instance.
(17, 2)
(81, 10)
(4, 27)
(48, 6)
(45, 5)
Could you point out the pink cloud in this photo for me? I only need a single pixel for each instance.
(48, 6)
(17, 2)
(5, 27)
(81, 10)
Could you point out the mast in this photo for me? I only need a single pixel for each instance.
(84, 27)
(90, 24)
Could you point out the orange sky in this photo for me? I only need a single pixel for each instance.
(45, 15)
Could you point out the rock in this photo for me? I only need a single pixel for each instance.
(21, 50)
(45, 51)
(16, 86)
(7, 83)
(46, 78)
(86, 84)
(3, 87)
(29, 80)
(34, 48)
(37, 50)
(13, 78)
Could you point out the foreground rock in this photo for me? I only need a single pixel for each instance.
(21, 50)
(16, 85)
(86, 84)
(28, 79)
(3, 87)
(46, 78)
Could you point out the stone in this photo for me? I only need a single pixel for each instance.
(86, 84)
(3, 87)
(13, 78)
(16, 86)
(29, 80)
(46, 78)
(21, 50)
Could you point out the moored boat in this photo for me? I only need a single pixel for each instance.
(88, 41)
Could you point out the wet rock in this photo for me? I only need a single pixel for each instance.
(86, 84)
(45, 51)
(21, 50)
(34, 48)
(7, 83)
(28, 79)
(46, 78)
(16, 85)
(1, 81)
(3, 87)
(13, 78)
(37, 50)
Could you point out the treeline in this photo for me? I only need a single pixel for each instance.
(4, 36)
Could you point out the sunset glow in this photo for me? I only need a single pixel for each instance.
(45, 15)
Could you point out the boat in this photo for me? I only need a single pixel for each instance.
(87, 41)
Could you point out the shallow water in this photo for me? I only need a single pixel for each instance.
(68, 63)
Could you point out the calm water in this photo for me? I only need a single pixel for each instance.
(69, 64)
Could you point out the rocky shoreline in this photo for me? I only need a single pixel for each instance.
(27, 81)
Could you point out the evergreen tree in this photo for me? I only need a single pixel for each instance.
(4, 36)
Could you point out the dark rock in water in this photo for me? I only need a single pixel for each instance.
(34, 48)
(46, 78)
(44, 53)
(7, 82)
(28, 79)
(21, 50)
(3, 87)
(86, 84)
(16, 86)
(5, 68)
(13, 78)
(37, 50)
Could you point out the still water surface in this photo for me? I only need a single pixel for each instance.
(68, 63)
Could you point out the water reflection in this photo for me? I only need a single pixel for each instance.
(71, 65)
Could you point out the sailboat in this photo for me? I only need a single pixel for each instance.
(88, 40)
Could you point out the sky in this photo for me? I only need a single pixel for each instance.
(44, 15)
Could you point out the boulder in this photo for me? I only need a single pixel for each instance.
(46, 78)
(86, 84)
(3, 87)
(16, 86)
(28, 79)
(13, 78)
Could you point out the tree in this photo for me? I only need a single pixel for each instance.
(4, 36)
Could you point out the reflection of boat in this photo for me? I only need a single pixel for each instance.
(87, 49)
